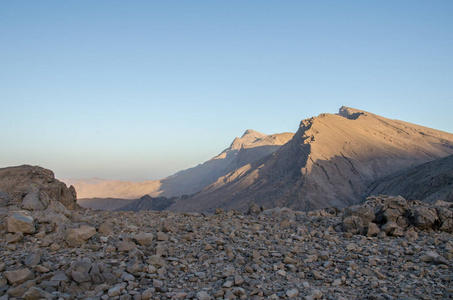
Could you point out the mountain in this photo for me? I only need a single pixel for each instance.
(330, 161)
(250, 147)
(428, 182)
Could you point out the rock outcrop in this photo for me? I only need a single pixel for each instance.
(34, 188)
(395, 216)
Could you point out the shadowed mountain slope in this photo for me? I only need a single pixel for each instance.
(250, 147)
(147, 203)
(427, 182)
(103, 203)
(331, 160)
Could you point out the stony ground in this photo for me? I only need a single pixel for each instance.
(274, 254)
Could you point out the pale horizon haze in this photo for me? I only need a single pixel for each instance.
(137, 90)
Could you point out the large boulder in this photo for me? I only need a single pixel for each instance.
(20, 222)
(356, 218)
(79, 236)
(424, 217)
(445, 219)
(80, 271)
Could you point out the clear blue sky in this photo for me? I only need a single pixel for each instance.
(142, 89)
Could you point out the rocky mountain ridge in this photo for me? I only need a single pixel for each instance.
(331, 160)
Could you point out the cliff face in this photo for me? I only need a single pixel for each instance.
(331, 160)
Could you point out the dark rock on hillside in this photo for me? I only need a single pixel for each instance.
(427, 182)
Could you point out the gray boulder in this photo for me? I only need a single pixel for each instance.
(21, 222)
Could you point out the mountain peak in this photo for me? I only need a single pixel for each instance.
(351, 113)
(246, 139)
(252, 133)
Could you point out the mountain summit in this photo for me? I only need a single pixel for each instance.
(331, 160)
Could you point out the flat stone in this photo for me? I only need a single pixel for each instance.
(158, 283)
(429, 256)
(292, 293)
(35, 293)
(147, 294)
(156, 260)
(126, 246)
(161, 236)
(17, 291)
(336, 282)
(33, 259)
(440, 260)
(19, 276)
(203, 296)
(144, 239)
(114, 291)
(59, 277)
(14, 237)
(78, 236)
(317, 294)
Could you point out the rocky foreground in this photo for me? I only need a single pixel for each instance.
(387, 248)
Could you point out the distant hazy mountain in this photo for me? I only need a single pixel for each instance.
(427, 182)
(331, 160)
(247, 149)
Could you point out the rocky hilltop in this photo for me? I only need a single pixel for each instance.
(387, 248)
(331, 160)
(244, 150)
(34, 188)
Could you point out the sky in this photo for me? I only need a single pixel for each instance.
(137, 90)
